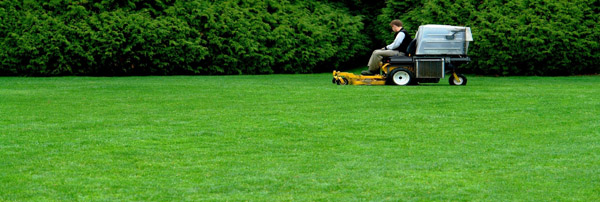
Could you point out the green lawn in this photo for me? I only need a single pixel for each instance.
(298, 138)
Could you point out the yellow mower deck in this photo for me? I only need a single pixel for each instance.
(347, 78)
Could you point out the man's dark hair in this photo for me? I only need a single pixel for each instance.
(396, 22)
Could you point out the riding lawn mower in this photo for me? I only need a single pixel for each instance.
(436, 52)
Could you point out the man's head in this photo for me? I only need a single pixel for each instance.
(396, 25)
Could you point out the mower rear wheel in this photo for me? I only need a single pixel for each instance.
(401, 77)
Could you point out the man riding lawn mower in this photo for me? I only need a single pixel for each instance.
(435, 52)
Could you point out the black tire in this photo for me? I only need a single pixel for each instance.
(400, 77)
(454, 82)
(339, 81)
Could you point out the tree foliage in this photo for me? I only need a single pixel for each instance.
(273, 36)
(163, 37)
(93, 37)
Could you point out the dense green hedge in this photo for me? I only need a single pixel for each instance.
(86, 38)
(135, 37)
(160, 37)
(518, 37)
(274, 36)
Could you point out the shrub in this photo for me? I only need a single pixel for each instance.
(287, 38)
(167, 37)
(80, 42)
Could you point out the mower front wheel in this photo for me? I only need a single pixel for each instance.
(342, 81)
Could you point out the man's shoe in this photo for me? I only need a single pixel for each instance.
(367, 72)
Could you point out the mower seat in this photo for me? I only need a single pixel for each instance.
(401, 60)
(412, 47)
